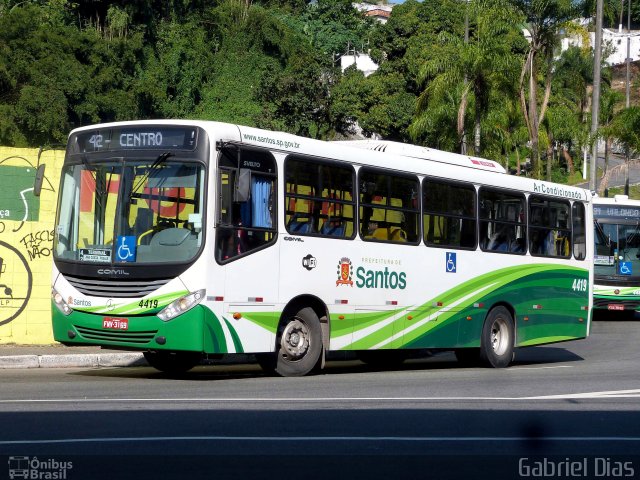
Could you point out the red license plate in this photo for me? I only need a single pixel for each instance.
(615, 306)
(115, 323)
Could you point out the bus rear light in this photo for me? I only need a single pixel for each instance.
(584, 307)
(218, 299)
(537, 307)
(181, 305)
(60, 303)
(392, 302)
(256, 299)
(478, 305)
(342, 302)
(438, 304)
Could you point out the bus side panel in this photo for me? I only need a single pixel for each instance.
(250, 311)
(555, 306)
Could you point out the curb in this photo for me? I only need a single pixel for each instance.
(73, 360)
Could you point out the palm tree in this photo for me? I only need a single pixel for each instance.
(545, 20)
(567, 117)
(473, 68)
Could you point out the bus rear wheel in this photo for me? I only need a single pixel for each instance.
(498, 338)
(172, 362)
(299, 344)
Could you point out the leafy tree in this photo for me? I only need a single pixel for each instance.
(171, 85)
(296, 99)
(40, 77)
(333, 26)
(568, 104)
(349, 100)
(487, 60)
(545, 20)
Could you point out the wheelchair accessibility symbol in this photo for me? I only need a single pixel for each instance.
(624, 268)
(126, 251)
(451, 262)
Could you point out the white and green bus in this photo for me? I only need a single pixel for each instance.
(617, 255)
(193, 239)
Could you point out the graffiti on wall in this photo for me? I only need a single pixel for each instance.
(26, 241)
(15, 287)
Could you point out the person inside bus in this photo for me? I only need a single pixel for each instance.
(499, 241)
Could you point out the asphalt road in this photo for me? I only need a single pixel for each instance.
(571, 407)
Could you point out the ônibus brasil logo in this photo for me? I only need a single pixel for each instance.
(370, 278)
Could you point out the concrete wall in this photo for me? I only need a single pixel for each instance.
(26, 237)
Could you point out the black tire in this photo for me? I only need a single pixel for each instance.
(299, 345)
(498, 339)
(382, 358)
(173, 362)
(468, 357)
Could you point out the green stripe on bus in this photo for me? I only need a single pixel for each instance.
(234, 335)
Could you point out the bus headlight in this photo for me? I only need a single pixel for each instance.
(181, 305)
(60, 303)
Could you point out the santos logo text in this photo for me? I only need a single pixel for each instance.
(380, 279)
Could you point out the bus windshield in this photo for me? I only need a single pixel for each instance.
(617, 249)
(132, 211)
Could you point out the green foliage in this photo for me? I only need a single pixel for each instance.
(272, 64)
(332, 26)
(626, 127)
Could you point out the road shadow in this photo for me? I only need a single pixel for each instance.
(339, 364)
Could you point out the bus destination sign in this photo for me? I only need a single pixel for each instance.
(141, 138)
(603, 211)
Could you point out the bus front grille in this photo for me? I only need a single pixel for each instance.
(105, 335)
(116, 288)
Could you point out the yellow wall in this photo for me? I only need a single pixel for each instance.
(26, 238)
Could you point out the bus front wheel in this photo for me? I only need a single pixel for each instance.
(498, 338)
(172, 362)
(299, 344)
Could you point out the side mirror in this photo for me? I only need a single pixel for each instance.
(37, 184)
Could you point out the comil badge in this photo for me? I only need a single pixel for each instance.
(345, 272)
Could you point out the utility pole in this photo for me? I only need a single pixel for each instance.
(463, 144)
(595, 98)
(628, 102)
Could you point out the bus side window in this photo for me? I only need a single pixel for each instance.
(449, 217)
(579, 238)
(550, 235)
(319, 198)
(246, 206)
(502, 224)
(389, 208)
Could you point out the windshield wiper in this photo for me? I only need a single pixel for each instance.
(603, 236)
(161, 158)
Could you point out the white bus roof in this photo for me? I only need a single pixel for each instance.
(616, 200)
(425, 153)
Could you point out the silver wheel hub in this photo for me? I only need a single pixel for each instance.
(295, 340)
(500, 336)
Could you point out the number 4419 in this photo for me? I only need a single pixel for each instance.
(580, 285)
